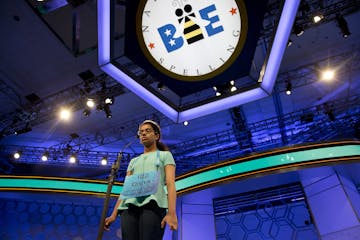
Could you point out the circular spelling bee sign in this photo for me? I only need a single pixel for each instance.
(191, 40)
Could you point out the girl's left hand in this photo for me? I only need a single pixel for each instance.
(171, 220)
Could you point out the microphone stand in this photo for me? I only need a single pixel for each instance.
(114, 169)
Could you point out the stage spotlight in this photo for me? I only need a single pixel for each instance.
(327, 75)
(225, 88)
(64, 114)
(298, 30)
(107, 111)
(186, 123)
(318, 17)
(232, 86)
(109, 100)
(17, 154)
(73, 158)
(45, 156)
(288, 88)
(217, 93)
(86, 112)
(104, 161)
(343, 25)
(90, 103)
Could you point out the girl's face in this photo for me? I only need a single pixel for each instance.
(147, 135)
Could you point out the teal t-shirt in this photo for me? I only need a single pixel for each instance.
(145, 163)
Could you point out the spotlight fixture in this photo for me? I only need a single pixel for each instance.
(343, 25)
(104, 161)
(45, 156)
(107, 111)
(225, 88)
(317, 17)
(327, 75)
(17, 155)
(90, 103)
(217, 93)
(64, 114)
(73, 158)
(232, 86)
(109, 100)
(186, 123)
(288, 88)
(298, 30)
(86, 112)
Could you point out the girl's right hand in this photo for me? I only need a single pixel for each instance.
(108, 222)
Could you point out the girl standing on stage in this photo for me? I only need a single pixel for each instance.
(143, 205)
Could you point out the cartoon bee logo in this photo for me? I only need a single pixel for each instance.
(192, 31)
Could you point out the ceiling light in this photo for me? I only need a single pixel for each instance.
(217, 93)
(109, 100)
(90, 103)
(186, 123)
(318, 17)
(17, 155)
(298, 30)
(65, 114)
(232, 86)
(72, 159)
(343, 25)
(104, 161)
(288, 88)
(328, 75)
(45, 156)
(107, 111)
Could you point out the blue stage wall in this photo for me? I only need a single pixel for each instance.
(55, 216)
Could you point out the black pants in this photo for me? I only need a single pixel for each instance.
(142, 223)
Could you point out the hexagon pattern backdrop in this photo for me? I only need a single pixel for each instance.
(49, 219)
(285, 222)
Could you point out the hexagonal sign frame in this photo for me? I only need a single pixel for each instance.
(267, 75)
